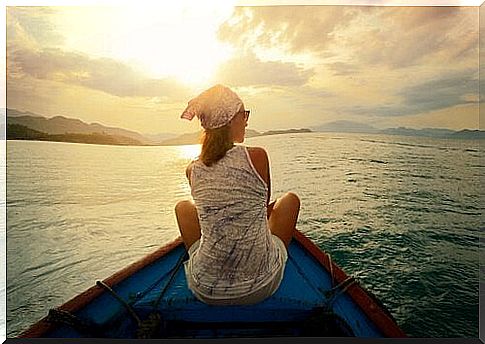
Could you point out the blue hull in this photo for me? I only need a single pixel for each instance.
(309, 302)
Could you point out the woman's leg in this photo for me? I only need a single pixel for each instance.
(188, 222)
(282, 216)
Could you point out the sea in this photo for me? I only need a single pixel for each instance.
(400, 214)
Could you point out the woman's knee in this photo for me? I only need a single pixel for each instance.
(293, 199)
(183, 206)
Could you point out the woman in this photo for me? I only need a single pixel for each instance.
(237, 241)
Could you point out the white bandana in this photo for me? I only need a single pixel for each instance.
(214, 107)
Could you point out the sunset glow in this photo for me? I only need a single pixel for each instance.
(159, 40)
(137, 66)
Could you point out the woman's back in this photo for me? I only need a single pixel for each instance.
(236, 253)
(236, 239)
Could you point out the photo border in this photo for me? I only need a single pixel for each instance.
(3, 163)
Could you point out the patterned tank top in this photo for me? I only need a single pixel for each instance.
(236, 255)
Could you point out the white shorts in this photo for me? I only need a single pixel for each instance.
(251, 298)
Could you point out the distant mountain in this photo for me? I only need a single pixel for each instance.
(345, 127)
(16, 113)
(21, 132)
(428, 132)
(287, 131)
(160, 137)
(468, 134)
(437, 133)
(356, 127)
(252, 133)
(27, 125)
(184, 139)
(60, 125)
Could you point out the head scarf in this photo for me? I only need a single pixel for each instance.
(214, 107)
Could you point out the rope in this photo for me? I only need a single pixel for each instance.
(174, 271)
(325, 317)
(123, 302)
(338, 290)
(146, 328)
(149, 327)
(332, 281)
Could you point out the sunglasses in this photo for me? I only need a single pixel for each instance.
(246, 113)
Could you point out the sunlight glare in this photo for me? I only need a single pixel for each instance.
(163, 40)
(178, 42)
(190, 152)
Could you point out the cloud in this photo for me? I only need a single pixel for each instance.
(445, 91)
(104, 74)
(50, 98)
(412, 36)
(280, 107)
(293, 65)
(34, 48)
(32, 27)
(248, 70)
(297, 28)
(343, 68)
(394, 36)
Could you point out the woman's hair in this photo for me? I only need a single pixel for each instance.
(215, 144)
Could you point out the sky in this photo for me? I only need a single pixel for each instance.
(294, 66)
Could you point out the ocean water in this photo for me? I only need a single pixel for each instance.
(401, 214)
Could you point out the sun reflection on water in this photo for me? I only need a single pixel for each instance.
(189, 151)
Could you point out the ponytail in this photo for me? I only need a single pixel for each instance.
(215, 144)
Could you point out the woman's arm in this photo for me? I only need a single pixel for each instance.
(260, 161)
(188, 170)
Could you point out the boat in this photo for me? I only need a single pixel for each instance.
(150, 299)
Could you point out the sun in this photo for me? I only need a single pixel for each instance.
(191, 53)
(177, 41)
(162, 40)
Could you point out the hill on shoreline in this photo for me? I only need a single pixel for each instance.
(21, 132)
(357, 127)
(31, 126)
(61, 125)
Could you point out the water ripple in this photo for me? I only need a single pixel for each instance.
(401, 214)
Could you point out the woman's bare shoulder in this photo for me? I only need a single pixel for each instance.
(188, 170)
(258, 153)
(259, 159)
